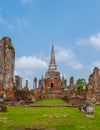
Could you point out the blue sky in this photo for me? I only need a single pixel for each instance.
(72, 26)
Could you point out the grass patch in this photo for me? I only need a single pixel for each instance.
(55, 101)
(58, 118)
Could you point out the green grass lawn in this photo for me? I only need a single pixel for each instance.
(58, 118)
(54, 101)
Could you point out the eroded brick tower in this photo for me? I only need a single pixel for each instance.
(7, 61)
(52, 81)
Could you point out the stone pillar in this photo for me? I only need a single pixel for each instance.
(7, 61)
(1, 65)
(18, 82)
(35, 83)
(26, 85)
(40, 84)
(90, 90)
(91, 80)
(71, 81)
(63, 82)
(96, 77)
(70, 91)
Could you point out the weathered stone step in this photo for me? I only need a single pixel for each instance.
(50, 105)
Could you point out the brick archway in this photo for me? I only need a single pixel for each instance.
(52, 85)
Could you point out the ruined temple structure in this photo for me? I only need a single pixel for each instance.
(75, 96)
(52, 84)
(7, 61)
(90, 94)
(93, 92)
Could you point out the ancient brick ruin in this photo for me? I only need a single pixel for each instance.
(7, 62)
(51, 86)
(93, 92)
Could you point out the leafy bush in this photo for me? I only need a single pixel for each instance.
(10, 47)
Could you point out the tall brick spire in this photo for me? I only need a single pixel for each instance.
(52, 65)
(52, 72)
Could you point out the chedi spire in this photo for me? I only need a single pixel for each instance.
(52, 65)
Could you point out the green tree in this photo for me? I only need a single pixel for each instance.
(81, 84)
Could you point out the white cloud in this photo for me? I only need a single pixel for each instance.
(67, 56)
(29, 67)
(93, 40)
(30, 62)
(17, 73)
